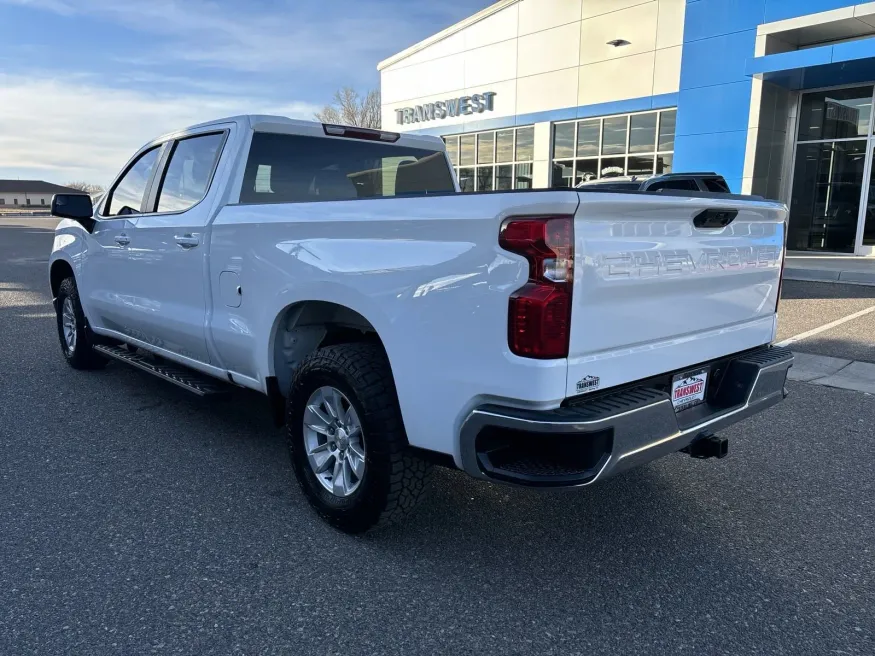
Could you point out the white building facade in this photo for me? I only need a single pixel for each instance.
(775, 95)
(504, 77)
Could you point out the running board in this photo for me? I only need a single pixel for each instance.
(185, 378)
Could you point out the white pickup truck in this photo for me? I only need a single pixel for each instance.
(543, 338)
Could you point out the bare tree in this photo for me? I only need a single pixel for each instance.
(87, 187)
(349, 108)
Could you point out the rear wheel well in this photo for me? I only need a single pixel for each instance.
(60, 271)
(304, 327)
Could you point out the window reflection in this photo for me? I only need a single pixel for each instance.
(642, 133)
(638, 144)
(836, 114)
(563, 140)
(588, 138)
(667, 122)
(563, 174)
(614, 135)
(495, 159)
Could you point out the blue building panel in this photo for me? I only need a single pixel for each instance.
(786, 61)
(811, 68)
(710, 18)
(854, 50)
(722, 152)
(720, 108)
(717, 60)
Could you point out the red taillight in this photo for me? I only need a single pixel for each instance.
(539, 318)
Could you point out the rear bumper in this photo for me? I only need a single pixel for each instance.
(594, 438)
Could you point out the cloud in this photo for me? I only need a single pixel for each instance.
(341, 35)
(72, 128)
(209, 58)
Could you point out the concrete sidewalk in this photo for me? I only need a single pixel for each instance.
(830, 268)
(833, 372)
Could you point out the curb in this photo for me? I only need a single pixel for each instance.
(826, 275)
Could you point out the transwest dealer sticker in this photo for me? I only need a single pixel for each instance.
(588, 384)
(688, 389)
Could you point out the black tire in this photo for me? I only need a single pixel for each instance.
(82, 355)
(394, 478)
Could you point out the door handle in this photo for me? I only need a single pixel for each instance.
(187, 240)
(122, 239)
(714, 218)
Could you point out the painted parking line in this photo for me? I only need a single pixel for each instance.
(825, 327)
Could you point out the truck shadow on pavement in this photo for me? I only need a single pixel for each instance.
(805, 290)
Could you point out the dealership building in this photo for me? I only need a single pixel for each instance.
(775, 95)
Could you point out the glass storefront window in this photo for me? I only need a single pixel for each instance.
(663, 163)
(588, 138)
(612, 146)
(614, 135)
(639, 165)
(453, 149)
(587, 169)
(836, 114)
(612, 167)
(523, 176)
(467, 147)
(825, 204)
(484, 161)
(563, 140)
(504, 149)
(504, 177)
(484, 178)
(563, 173)
(642, 133)
(667, 122)
(486, 148)
(466, 178)
(525, 144)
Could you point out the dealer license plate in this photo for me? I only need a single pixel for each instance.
(688, 389)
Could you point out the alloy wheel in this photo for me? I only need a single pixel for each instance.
(334, 441)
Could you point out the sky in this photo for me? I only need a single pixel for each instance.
(85, 83)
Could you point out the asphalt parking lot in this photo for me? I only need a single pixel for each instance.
(136, 519)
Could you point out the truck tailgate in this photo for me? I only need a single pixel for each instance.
(654, 293)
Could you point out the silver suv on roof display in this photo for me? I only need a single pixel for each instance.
(697, 181)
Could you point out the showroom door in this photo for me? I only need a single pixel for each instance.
(831, 176)
(866, 229)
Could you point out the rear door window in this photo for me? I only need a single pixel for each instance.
(683, 185)
(286, 168)
(188, 174)
(127, 196)
(716, 184)
(612, 186)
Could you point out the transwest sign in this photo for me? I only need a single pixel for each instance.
(441, 109)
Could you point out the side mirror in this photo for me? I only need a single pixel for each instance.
(74, 206)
